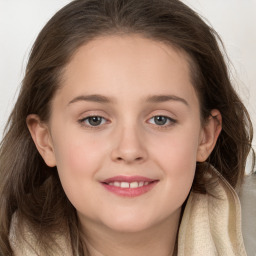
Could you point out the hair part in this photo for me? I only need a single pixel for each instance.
(29, 186)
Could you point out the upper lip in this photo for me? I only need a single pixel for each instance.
(129, 179)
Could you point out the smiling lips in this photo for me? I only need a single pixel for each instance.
(131, 186)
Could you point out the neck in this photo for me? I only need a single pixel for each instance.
(158, 240)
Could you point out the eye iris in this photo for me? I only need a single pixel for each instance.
(95, 120)
(160, 120)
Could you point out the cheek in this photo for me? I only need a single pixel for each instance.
(175, 154)
(178, 149)
(78, 154)
(78, 158)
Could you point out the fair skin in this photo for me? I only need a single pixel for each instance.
(147, 123)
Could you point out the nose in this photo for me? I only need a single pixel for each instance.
(129, 146)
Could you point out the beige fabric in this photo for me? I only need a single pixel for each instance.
(28, 245)
(210, 226)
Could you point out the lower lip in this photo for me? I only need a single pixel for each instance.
(130, 192)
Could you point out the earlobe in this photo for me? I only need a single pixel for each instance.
(209, 135)
(42, 139)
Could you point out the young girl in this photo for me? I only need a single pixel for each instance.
(127, 137)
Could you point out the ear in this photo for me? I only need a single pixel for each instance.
(42, 138)
(209, 135)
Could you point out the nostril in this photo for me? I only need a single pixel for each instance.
(137, 159)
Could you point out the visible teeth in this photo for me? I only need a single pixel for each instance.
(117, 184)
(141, 183)
(125, 185)
(134, 184)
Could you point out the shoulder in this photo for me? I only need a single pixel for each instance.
(211, 222)
(21, 244)
(25, 242)
(247, 197)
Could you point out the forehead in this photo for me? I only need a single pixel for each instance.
(131, 48)
(128, 65)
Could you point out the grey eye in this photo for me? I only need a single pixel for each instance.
(94, 120)
(160, 120)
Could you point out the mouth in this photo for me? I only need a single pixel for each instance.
(135, 184)
(129, 186)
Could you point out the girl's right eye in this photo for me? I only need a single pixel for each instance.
(93, 121)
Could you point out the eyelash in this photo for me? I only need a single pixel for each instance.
(85, 122)
(88, 125)
(169, 120)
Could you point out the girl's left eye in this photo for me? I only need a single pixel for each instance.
(161, 120)
(93, 121)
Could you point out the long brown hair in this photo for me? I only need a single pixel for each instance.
(32, 189)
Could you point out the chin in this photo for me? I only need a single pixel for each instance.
(129, 224)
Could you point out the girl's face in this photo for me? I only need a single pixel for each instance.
(125, 133)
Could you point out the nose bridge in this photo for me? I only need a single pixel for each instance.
(129, 145)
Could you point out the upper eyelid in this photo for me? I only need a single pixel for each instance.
(168, 117)
(92, 113)
(86, 117)
(162, 113)
(109, 117)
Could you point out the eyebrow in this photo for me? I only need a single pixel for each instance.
(92, 98)
(164, 98)
(151, 99)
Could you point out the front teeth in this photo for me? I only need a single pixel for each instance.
(124, 185)
(134, 184)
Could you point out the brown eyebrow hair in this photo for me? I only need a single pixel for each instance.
(93, 98)
(151, 99)
(164, 98)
